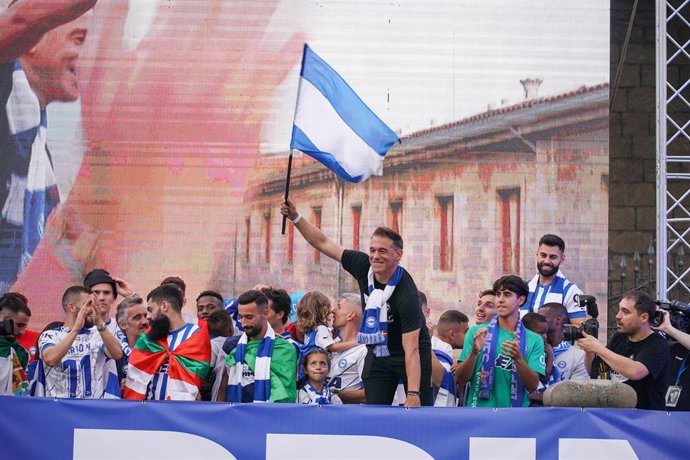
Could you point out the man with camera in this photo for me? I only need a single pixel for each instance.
(636, 355)
(678, 376)
(14, 317)
(568, 361)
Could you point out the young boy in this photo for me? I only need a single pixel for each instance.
(502, 359)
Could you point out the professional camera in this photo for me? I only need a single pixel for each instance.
(7, 328)
(590, 326)
(679, 314)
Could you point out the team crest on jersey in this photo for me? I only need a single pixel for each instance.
(561, 364)
(342, 364)
(504, 362)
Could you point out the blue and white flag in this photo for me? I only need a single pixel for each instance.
(334, 126)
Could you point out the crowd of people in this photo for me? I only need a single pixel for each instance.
(376, 346)
(370, 347)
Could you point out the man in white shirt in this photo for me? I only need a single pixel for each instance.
(73, 356)
(345, 376)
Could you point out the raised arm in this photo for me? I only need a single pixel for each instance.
(465, 370)
(24, 23)
(53, 355)
(313, 235)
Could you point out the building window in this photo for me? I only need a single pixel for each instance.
(247, 237)
(445, 206)
(291, 243)
(317, 224)
(396, 216)
(510, 230)
(267, 237)
(356, 221)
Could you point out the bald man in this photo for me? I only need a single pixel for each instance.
(345, 376)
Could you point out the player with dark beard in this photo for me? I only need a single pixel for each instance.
(155, 372)
(549, 284)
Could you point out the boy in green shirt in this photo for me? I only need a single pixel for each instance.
(502, 359)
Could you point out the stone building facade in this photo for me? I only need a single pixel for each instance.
(471, 200)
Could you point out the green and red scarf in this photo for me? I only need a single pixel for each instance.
(14, 377)
(188, 365)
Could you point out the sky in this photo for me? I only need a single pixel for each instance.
(425, 63)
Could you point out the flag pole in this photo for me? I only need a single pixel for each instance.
(287, 189)
(287, 181)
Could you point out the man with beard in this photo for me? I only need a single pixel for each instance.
(72, 357)
(40, 44)
(636, 355)
(155, 372)
(14, 358)
(550, 285)
(262, 368)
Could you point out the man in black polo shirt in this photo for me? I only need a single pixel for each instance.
(635, 355)
(398, 342)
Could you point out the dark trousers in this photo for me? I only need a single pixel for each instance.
(382, 375)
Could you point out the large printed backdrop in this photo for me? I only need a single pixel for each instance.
(172, 162)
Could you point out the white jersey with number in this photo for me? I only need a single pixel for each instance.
(346, 369)
(80, 373)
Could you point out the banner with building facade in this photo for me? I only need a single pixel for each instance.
(173, 159)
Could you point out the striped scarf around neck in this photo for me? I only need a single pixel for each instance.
(33, 191)
(488, 366)
(262, 368)
(374, 328)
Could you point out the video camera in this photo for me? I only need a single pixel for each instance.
(7, 328)
(679, 314)
(590, 326)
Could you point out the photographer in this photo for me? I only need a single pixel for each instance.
(14, 317)
(678, 375)
(635, 355)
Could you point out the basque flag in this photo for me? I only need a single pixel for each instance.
(334, 126)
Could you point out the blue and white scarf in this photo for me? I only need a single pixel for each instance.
(445, 394)
(262, 368)
(374, 328)
(308, 345)
(487, 374)
(555, 372)
(33, 191)
(321, 398)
